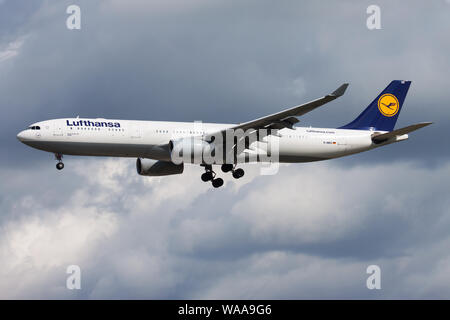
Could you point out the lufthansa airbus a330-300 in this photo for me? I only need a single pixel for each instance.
(158, 145)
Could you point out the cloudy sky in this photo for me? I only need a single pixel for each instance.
(308, 232)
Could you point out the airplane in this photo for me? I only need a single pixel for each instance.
(155, 143)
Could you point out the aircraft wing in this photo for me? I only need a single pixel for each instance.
(380, 138)
(287, 118)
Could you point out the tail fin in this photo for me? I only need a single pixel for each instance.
(383, 112)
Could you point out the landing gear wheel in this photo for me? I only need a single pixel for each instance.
(209, 173)
(238, 173)
(217, 182)
(227, 167)
(60, 164)
(207, 176)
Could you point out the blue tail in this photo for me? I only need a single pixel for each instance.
(383, 112)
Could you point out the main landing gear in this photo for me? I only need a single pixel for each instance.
(60, 164)
(210, 175)
(237, 173)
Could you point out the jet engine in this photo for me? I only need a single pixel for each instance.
(149, 167)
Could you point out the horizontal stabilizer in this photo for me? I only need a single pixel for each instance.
(380, 138)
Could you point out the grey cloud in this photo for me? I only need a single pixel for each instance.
(308, 232)
(298, 234)
(226, 62)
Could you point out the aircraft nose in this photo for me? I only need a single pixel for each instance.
(21, 136)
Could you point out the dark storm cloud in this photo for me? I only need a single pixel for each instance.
(266, 237)
(225, 62)
(308, 232)
(14, 17)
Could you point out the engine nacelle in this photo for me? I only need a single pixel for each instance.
(191, 150)
(149, 167)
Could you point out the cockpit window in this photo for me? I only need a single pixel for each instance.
(34, 128)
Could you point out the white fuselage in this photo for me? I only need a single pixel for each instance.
(143, 139)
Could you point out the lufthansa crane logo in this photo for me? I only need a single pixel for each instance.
(388, 105)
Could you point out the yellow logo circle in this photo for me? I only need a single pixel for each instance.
(388, 105)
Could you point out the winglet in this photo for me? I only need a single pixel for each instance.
(340, 91)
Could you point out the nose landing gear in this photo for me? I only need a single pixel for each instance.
(60, 164)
